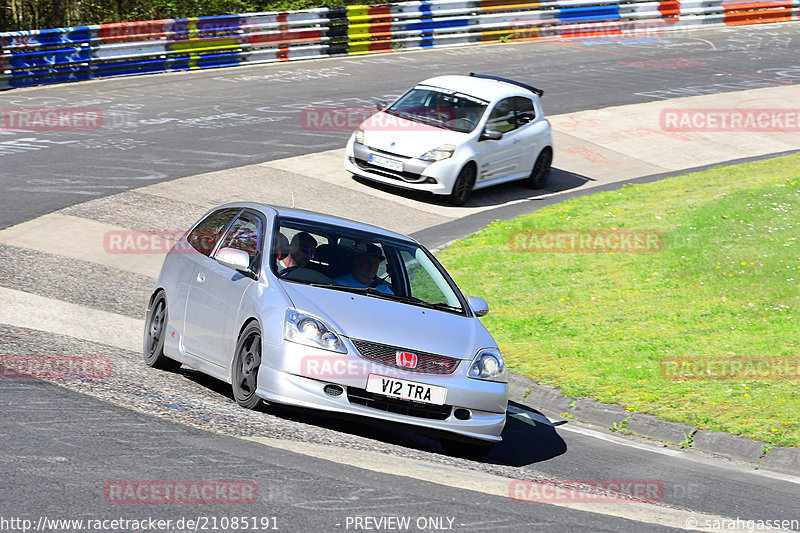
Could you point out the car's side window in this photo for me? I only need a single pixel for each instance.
(524, 110)
(245, 234)
(204, 236)
(502, 116)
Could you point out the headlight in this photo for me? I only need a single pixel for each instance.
(445, 151)
(360, 136)
(489, 365)
(305, 329)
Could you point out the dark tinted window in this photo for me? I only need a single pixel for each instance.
(245, 234)
(524, 110)
(502, 117)
(204, 236)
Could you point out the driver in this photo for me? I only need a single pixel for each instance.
(301, 250)
(365, 271)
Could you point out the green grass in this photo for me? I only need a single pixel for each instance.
(726, 284)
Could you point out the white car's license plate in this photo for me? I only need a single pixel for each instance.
(406, 390)
(385, 162)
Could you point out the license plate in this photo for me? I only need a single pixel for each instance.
(406, 390)
(385, 162)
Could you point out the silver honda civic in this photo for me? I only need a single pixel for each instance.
(310, 310)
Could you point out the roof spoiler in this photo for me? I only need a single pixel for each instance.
(512, 82)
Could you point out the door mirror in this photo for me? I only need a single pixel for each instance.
(238, 260)
(491, 135)
(478, 305)
(380, 104)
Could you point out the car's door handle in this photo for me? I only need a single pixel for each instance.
(515, 141)
(201, 277)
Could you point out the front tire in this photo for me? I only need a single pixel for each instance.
(247, 360)
(154, 336)
(541, 169)
(462, 188)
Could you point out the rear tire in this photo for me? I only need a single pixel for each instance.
(462, 188)
(541, 169)
(244, 377)
(155, 334)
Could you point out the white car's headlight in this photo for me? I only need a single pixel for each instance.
(445, 151)
(489, 365)
(360, 136)
(309, 330)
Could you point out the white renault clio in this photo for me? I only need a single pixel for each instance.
(451, 134)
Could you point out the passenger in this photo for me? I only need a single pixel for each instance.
(301, 250)
(365, 270)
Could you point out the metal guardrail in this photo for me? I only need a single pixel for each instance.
(87, 52)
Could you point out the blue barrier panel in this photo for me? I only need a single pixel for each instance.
(433, 24)
(62, 56)
(585, 14)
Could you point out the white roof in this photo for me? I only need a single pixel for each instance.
(483, 88)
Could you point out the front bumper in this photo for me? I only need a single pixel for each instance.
(416, 175)
(291, 374)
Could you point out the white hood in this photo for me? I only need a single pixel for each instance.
(404, 137)
(389, 322)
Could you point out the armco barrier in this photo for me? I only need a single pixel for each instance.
(87, 52)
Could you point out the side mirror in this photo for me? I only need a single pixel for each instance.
(238, 260)
(478, 305)
(380, 104)
(491, 135)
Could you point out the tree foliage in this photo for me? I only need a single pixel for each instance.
(40, 14)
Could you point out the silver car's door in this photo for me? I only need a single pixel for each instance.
(501, 158)
(216, 293)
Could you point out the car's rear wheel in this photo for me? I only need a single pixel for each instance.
(541, 169)
(155, 334)
(470, 449)
(462, 188)
(245, 367)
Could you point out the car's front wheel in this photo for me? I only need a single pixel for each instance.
(155, 334)
(541, 169)
(245, 367)
(462, 188)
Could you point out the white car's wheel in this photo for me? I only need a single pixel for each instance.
(541, 169)
(462, 188)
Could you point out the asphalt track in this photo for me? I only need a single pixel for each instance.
(62, 447)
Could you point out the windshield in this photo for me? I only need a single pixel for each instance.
(440, 107)
(345, 259)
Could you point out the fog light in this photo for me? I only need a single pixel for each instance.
(333, 390)
(462, 414)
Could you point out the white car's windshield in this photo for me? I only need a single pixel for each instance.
(439, 107)
(345, 259)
